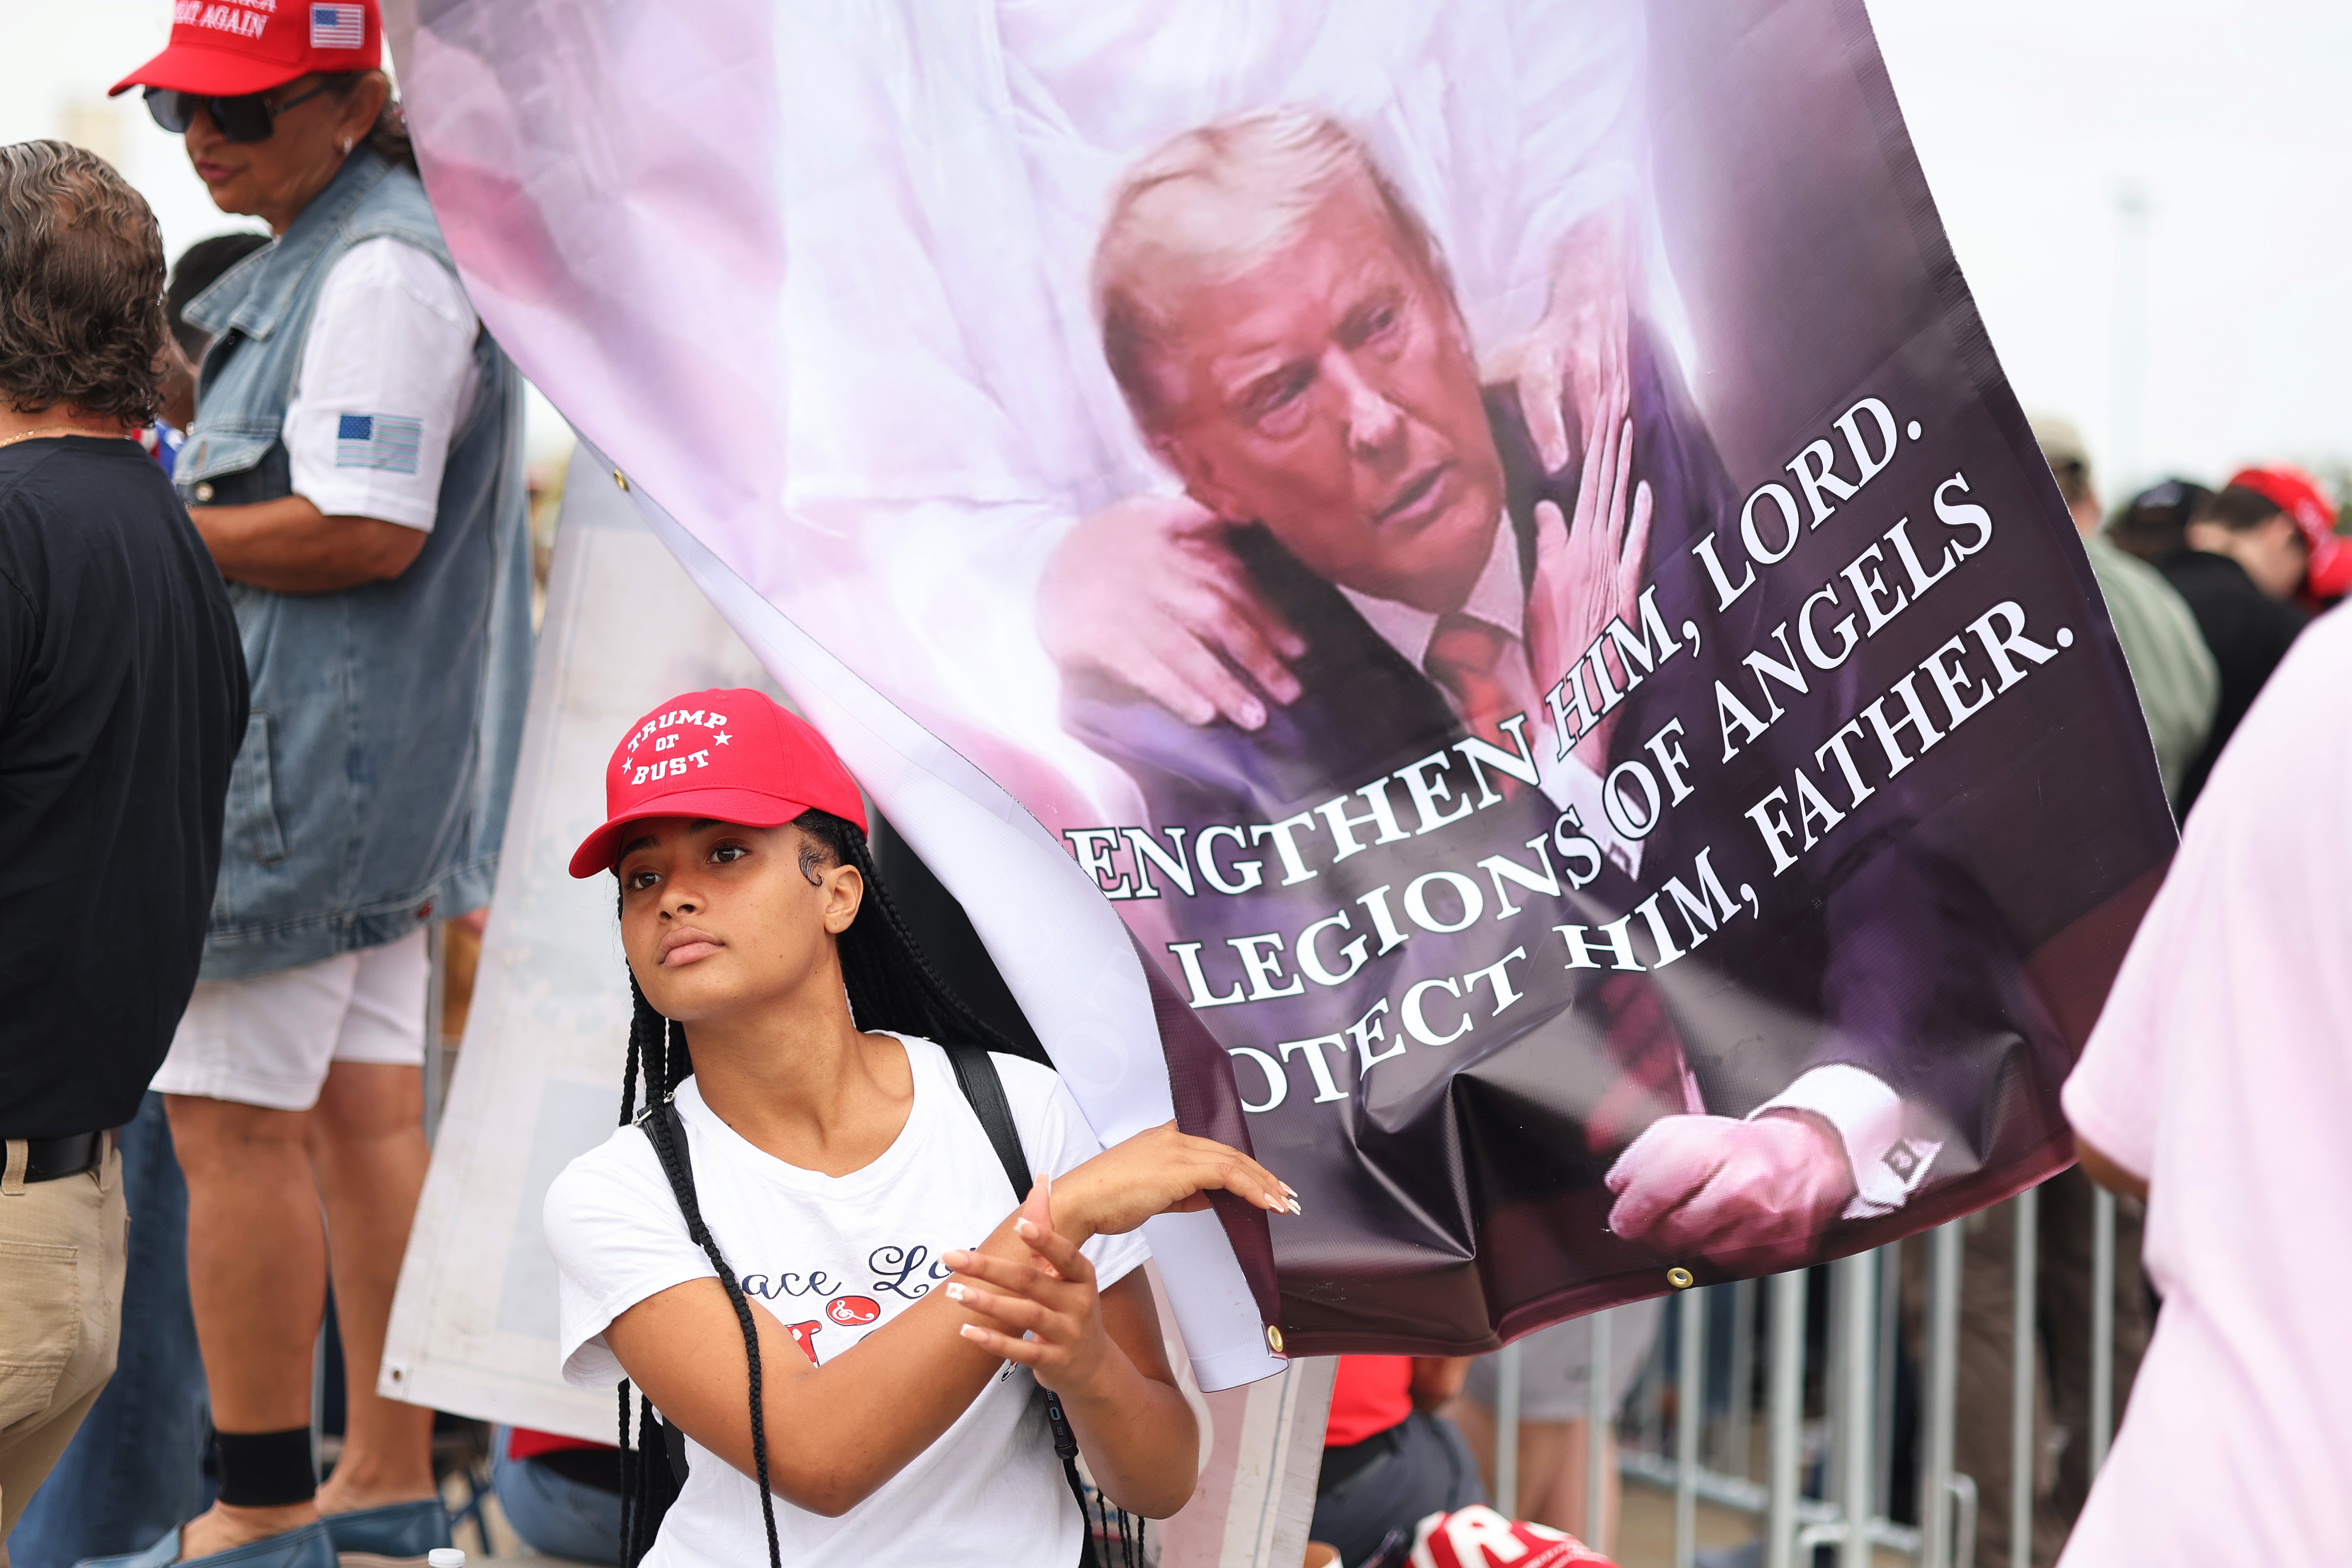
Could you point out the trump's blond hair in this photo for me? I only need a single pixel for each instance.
(1209, 207)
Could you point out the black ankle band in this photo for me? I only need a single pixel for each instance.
(266, 1469)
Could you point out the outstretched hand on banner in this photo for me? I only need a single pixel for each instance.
(1158, 1172)
(1589, 571)
(1147, 593)
(1766, 1188)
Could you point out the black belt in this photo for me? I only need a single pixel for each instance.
(53, 1159)
(1341, 1465)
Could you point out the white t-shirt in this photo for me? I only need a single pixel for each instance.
(387, 374)
(833, 1259)
(2221, 1073)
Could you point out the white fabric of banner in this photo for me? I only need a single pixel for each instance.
(622, 250)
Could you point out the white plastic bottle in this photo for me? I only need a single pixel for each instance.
(444, 1557)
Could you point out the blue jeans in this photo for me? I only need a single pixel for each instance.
(135, 1468)
(1429, 1471)
(559, 1517)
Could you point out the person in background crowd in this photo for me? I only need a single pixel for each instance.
(2061, 1352)
(1389, 1458)
(132, 1471)
(2217, 1085)
(198, 269)
(1555, 1412)
(2155, 523)
(355, 468)
(2171, 669)
(561, 1495)
(199, 266)
(124, 695)
(2250, 552)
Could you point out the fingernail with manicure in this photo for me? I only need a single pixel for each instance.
(1023, 1227)
(1296, 1209)
(956, 1292)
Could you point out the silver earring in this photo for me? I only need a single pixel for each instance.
(347, 145)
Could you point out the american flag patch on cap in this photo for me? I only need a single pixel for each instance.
(377, 441)
(337, 26)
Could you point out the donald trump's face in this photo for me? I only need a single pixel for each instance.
(1328, 393)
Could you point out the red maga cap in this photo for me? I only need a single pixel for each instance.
(735, 756)
(1478, 1537)
(2298, 495)
(230, 47)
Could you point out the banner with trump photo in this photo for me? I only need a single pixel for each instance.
(1453, 586)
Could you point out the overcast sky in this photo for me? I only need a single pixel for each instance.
(2036, 121)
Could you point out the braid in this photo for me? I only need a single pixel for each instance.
(893, 987)
(662, 1124)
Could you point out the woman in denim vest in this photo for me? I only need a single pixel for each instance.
(355, 467)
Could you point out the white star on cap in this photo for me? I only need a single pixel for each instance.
(723, 737)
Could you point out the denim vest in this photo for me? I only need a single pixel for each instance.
(372, 788)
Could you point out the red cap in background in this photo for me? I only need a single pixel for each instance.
(734, 756)
(230, 47)
(2298, 495)
(1478, 1537)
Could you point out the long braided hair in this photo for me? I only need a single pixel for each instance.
(893, 989)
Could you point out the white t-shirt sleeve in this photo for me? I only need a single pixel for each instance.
(2113, 1097)
(1054, 1135)
(617, 1238)
(387, 375)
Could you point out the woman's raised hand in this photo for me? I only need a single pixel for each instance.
(1159, 1171)
(1042, 1312)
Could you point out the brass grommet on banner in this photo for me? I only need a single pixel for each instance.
(1679, 1277)
(620, 478)
(1274, 1338)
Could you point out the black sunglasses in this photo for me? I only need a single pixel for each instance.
(249, 117)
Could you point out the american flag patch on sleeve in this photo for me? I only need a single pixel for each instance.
(384, 441)
(337, 26)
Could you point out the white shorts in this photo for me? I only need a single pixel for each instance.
(268, 1039)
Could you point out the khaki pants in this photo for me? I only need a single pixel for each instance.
(62, 1245)
(2062, 1393)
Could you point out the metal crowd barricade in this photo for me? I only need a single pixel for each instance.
(1829, 1482)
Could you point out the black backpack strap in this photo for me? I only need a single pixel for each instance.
(976, 1075)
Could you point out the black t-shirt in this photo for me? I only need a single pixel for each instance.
(2248, 632)
(124, 693)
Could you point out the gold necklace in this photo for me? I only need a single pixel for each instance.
(43, 430)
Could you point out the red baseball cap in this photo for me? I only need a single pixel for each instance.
(2298, 495)
(230, 47)
(736, 756)
(1478, 1537)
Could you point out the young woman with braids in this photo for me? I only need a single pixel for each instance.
(849, 1307)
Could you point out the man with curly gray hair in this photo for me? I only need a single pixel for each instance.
(122, 702)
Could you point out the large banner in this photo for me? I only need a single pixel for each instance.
(1488, 538)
